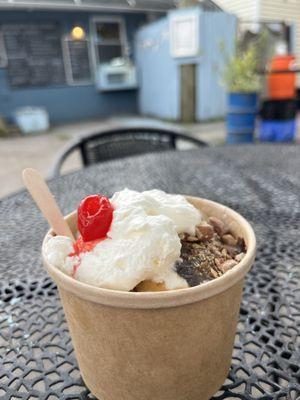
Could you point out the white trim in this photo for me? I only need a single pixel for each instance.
(257, 10)
(93, 42)
(188, 21)
(67, 62)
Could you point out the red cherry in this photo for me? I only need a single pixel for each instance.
(95, 215)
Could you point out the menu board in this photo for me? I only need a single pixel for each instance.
(3, 57)
(34, 54)
(77, 61)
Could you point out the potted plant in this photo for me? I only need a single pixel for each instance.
(243, 84)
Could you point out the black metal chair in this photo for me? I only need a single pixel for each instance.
(123, 142)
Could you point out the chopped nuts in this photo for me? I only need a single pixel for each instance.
(229, 239)
(196, 245)
(192, 239)
(224, 253)
(218, 262)
(227, 265)
(218, 225)
(216, 251)
(210, 253)
(199, 234)
(214, 273)
(204, 231)
(231, 250)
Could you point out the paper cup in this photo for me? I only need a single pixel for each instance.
(167, 345)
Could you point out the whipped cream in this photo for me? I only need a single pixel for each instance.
(142, 243)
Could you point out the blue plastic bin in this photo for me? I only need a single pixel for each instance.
(241, 116)
(277, 131)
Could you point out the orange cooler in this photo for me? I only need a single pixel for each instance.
(282, 85)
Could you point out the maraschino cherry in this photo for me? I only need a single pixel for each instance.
(95, 214)
(94, 217)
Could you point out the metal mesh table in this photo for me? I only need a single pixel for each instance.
(261, 182)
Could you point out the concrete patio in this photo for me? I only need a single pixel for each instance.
(40, 151)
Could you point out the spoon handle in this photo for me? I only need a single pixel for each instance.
(42, 196)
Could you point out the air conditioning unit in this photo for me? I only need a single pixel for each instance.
(119, 74)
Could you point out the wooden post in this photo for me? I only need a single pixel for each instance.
(188, 92)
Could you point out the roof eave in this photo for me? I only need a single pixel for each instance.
(77, 7)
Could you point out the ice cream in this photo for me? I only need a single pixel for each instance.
(142, 243)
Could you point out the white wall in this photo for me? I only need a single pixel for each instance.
(284, 10)
(244, 9)
(280, 10)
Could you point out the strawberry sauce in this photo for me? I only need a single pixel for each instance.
(94, 218)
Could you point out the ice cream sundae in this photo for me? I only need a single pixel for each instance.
(144, 241)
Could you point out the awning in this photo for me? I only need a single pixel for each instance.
(90, 5)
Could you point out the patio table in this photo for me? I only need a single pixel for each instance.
(262, 182)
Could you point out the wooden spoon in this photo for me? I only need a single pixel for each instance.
(41, 194)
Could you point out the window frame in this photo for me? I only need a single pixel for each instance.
(67, 62)
(94, 42)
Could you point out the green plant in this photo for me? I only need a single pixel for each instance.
(240, 73)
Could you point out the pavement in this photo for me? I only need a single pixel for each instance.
(40, 151)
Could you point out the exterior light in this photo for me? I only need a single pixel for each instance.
(78, 33)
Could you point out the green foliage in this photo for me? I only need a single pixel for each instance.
(240, 73)
(264, 47)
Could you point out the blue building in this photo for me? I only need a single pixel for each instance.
(75, 58)
(180, 60)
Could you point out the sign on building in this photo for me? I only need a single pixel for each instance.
(184, 35)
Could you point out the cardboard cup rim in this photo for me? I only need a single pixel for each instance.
(165, 299)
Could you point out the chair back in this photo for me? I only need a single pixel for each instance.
(123, 142)
(120, 144)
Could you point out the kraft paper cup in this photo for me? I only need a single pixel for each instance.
(171, 345)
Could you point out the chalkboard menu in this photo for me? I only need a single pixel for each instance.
(34, 54)
(3, 57)
(77, 62)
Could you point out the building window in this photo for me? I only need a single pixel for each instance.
(109, 39)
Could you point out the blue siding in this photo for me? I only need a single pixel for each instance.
(67, 103)
(158, 75)
(216, 29)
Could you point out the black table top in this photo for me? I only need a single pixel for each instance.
(261, 182)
